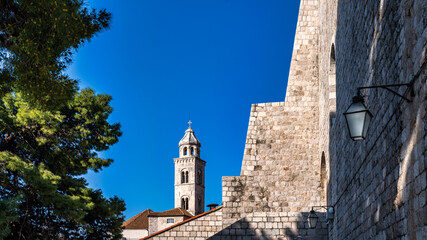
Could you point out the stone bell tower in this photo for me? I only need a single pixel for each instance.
(190, 174)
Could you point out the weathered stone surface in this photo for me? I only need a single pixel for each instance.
(377, 185)
(200, 228)
(298, 153)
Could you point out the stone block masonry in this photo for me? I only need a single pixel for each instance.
(298, 153)
(279, 173)
(281, 169)
(378, 186)
(202, 226)
(272, 225)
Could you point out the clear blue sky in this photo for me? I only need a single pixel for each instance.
(165, 59)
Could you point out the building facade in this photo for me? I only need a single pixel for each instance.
(298, 153)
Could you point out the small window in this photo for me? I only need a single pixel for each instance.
(192, 151)
(170, 220)
(185, 151)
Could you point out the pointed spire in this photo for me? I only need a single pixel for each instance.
(189, 124)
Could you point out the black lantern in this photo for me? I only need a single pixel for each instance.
(358, 118)
(312, 219)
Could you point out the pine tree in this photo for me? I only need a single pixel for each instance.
(43, 155)
(37, 39)
(51, 132)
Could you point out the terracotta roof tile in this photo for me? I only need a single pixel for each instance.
(139, 221)
(171, 212)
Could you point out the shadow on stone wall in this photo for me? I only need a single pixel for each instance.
(375, 184)
(274, 227)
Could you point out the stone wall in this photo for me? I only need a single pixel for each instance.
(273, 225)
(281, 164)
(378, 186)
(327, 84)
(201, 227)
(298, 153)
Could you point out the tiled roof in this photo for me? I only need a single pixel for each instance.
(139, 221)
(172, 212)
(180, 223)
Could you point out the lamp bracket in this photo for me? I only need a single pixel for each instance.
(387, 87)
(328, 208)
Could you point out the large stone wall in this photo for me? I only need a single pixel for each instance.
(201, 227)
(272, 226)
(257, 225)
(281, 164)
(327, 84)
(279, 172)
(298, 153)
(378, 186)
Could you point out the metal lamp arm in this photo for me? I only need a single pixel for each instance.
(324, 207)
(387, 87)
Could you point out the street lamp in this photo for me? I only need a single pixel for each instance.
(358, 117)
(313, 218)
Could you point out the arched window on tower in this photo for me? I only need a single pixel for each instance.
(192, 151)
(184, 203)
(185, 151)
(184, 176)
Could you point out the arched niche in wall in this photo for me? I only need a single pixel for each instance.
(332, 86)
(323, 173)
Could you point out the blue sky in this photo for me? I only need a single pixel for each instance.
(165, 59)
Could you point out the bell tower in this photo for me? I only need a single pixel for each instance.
(190, 174)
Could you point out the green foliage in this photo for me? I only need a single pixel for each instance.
(8, 214)
(37, 39)
(42, 155)
(50, 132)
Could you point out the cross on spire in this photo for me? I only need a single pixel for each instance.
(189, 124)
